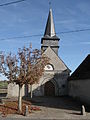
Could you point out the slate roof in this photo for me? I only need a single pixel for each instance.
(83, 71)
(50, 28)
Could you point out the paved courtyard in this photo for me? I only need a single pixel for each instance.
(53, 108)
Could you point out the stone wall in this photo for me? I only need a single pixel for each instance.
(80, 89)
(13, 90)
(50, 42)
(58, 79)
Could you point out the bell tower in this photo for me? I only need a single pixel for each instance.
(50, 39)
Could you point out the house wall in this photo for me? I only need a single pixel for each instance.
(80, 89)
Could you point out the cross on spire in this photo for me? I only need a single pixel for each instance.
(49, 4)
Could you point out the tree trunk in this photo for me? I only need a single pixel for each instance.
(20, 99)
(31, 90)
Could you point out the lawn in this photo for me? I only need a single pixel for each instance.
(3, 84)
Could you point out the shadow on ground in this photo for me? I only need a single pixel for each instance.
(56, 102)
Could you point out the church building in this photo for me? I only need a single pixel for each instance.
(54, 80)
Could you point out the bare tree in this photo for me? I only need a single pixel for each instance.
(24, 68)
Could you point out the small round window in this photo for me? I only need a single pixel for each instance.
(49, 67)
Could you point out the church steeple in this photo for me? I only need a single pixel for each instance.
(50, 39)
(50, 28)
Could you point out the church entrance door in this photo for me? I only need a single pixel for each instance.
(49, 89)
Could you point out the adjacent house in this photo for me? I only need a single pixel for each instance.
(79, 82)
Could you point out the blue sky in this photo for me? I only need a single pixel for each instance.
(29, 18)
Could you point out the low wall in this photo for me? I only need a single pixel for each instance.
(13, 90)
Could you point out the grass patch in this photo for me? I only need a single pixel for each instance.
(3, 84)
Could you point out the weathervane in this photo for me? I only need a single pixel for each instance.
(49, 3)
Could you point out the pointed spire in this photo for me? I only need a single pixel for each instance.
(50, 29)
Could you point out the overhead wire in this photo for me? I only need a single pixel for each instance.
(72, 31)
(20, 37)
(13, 2)
(35, 35)
(38, 35)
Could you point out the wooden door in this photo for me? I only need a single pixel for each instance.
(49, 89)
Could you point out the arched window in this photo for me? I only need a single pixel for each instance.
(49, 67)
